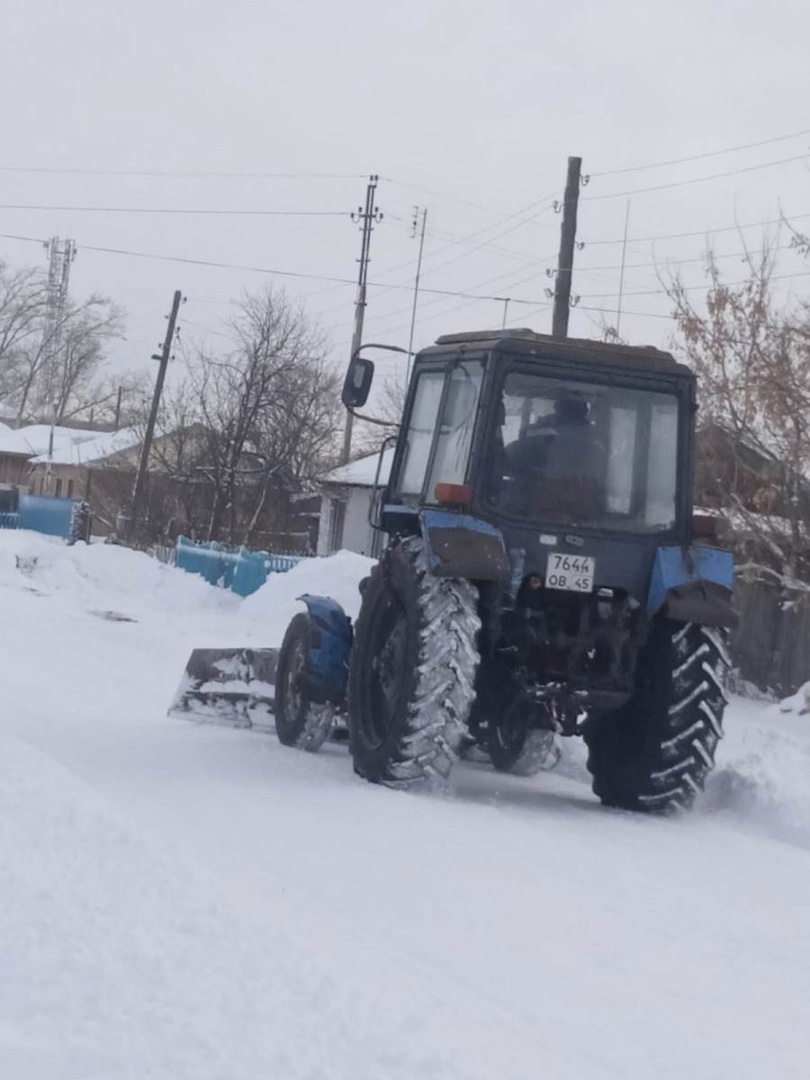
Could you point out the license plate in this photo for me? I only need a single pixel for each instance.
(571, 572)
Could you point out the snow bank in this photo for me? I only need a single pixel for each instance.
(763, 771)
(798, 703)
(103, 574)
(338, 576)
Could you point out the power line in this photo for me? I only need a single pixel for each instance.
(483, 244)
(696, 179)
(202, 174)
(698, 232)
(542, 308)
(383, 287)
(510, 284)
(455, 241)
(678, 262)
(171, 210)
(445, 234)
(441, 195)
(702, 157)
(692, 288)
(194, 262)
(547, 199)
(179, 174)
(256, 269)
(635, 314)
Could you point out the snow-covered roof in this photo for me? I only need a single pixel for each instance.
(71, 446)
(95, 448)
(362, 473)
(33, 439)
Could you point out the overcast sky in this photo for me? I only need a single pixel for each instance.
(468, 110)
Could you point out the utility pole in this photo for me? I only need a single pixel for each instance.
(565, 260)
(118, 408)
(415, 286)
(163, 358)
(367, 216)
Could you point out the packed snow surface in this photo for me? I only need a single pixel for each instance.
(182, 901)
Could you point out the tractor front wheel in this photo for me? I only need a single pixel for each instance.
(413, 668)
(655, 753)
(300, 721)
(515, 745)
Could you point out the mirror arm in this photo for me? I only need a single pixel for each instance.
(371, 419)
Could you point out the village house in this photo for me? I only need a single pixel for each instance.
(70, 469)
(21, 447)
(346, 505)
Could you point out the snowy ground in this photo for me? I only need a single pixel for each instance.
(189, 902)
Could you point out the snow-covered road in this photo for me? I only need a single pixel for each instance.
(189, 902)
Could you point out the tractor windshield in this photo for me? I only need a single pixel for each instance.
(589, 454)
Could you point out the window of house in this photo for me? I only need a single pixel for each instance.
(338, 523)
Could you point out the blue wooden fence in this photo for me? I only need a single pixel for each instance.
(46, 514)
(237, 569)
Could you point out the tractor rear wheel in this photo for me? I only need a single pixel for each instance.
(300, 722)
(655, 753)
(413, 668)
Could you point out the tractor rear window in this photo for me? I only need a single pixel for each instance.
(581, 453)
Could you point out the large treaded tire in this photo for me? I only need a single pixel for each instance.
(300, 722)
(655, 753)
(413, 668)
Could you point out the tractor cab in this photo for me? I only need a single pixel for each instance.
(568, 449)
(540, 432)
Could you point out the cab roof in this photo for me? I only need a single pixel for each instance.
(642, 358)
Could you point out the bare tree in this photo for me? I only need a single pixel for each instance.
(23, 303)
(26, 339)
(753, 361)
(87, 330)
(247, 428)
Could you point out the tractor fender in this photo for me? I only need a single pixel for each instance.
(330, 647)
(693, 585)
(462, 546)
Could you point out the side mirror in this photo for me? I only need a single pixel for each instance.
(358, 381)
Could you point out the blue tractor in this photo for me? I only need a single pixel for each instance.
(542, 577)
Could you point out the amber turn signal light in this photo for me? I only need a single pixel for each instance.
(453, 494)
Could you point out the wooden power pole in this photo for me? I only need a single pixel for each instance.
(143, 467)
(565, 260)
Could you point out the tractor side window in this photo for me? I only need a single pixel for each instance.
(659, 501)
(458, 423)
(421, 428)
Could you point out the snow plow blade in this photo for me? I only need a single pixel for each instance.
(234, 687)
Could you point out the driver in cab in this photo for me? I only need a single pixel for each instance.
(557, 464)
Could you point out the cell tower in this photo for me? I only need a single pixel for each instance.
(61, 254)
